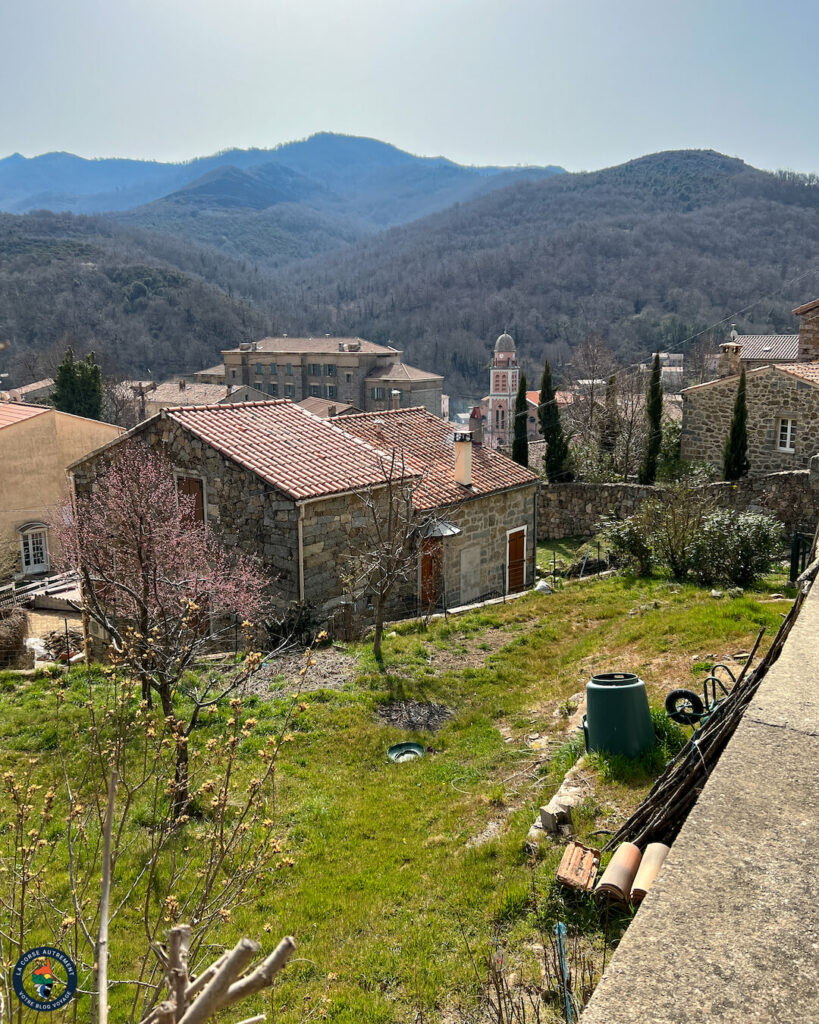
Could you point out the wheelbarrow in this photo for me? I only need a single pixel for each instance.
(688, 708)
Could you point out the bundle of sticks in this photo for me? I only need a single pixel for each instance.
(660, 816)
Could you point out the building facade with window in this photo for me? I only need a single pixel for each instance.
(783, 417)
(349, 371)
(36, 446)
(275, 480)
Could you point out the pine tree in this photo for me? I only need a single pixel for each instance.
(520, 440)
(556, 456)
(78, 386)
(735, 455)
(654, 416)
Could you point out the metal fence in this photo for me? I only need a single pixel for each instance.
(353, 618)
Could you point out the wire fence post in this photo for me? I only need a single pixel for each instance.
(554, 570)
(598, 558)
(67, 651)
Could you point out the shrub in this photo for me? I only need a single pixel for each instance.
(628, 543)
(13, 632)
(735, 547)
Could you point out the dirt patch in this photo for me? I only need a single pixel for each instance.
(281, 677)
(472, 651)
(414, 716)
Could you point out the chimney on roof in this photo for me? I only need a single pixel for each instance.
(808, 350)
(331, 411)
(341, 346)
(463, 458)
(244, 346)
(729, 363)
(395, 398)
(181, 384)
(476, 425)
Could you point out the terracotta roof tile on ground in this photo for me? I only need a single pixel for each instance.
(328, 345)
(768, 346)
(428, 449)
(290, 448)
(401, 371)
(16, 412)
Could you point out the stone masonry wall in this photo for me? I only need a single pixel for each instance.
(574, 510)
(475, 560)
(771, 396)
(243, 511)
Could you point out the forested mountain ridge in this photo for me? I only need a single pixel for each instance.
(644, 254)
(80, 281)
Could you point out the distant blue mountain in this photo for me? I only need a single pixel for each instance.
(363, 171)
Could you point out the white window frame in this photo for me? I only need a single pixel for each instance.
(790, 433)
(27, 532)
(517, 529)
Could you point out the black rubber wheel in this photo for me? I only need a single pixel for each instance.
(684, 706)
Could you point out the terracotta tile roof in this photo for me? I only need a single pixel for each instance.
(427, 445)
(807, 371)
(219, 370)
(401, 371)
(768, 346)
(169, 393)
(322, 406)
(320, 345)
(290, 448)
(806, 308)
(16, 412)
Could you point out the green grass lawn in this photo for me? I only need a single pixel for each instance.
(389, 883)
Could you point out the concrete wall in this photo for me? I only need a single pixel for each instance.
(34, 454)
(771, 395)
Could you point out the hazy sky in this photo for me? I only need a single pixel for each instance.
(581, 83)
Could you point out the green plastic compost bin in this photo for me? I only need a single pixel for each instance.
(617, 718)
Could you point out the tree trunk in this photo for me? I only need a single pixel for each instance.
(181, 797)
(379, 628)
(101, 952)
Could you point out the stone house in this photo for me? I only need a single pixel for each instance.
(783, 417)
(754, 350)
(37, 444)
(350, 371)
(275, 480)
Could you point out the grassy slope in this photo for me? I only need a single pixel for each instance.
(383, 882)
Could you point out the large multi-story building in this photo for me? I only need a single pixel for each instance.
(345, 370)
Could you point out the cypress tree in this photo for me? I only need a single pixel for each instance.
(520, 440)
(735, 456)
(556, 456)
(608, 435)
(654, 416)
(78, 386)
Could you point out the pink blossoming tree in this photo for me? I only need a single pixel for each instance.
(161, 584)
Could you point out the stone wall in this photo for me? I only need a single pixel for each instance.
(537, 450)
(242, 509)
(574, 510)
(772, 394)
(475, 560)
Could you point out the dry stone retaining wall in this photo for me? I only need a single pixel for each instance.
(571, 510)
